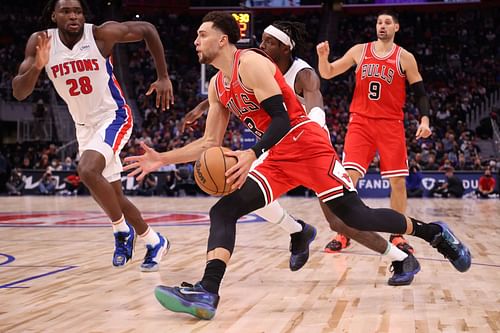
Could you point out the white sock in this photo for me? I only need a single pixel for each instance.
(394, 253)
(276, 214)
(150, 237)
(120, 225)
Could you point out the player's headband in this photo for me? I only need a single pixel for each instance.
(279, 35)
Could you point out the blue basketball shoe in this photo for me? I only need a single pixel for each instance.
(124, 247)
(404, 271)
(154, 254)
(452, 248)
(299, 246)
(187, 298)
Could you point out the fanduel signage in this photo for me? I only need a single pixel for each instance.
(373, 186)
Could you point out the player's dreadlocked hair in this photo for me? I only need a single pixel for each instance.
(297, 32)
(46, 18)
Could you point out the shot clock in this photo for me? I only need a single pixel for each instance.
(245, 21)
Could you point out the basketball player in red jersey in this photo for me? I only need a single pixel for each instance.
(376, 121)
(263, 101)
(282, 41)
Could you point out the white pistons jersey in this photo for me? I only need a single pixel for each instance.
(85, 81)
(291, 74)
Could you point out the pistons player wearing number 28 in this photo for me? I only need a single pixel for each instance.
(77, 58)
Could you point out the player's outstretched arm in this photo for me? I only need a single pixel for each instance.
(141, 165)
(193, 115)
(110, 33)
(36, 56)
(327, 69)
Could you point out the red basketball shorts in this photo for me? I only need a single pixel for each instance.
(304, 157)
(365, 136)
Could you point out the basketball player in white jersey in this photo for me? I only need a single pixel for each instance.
(282, 41)
(77, 58)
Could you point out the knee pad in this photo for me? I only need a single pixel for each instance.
(225, 213)
(350, 209)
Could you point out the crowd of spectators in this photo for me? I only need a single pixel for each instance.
(457, 52)
(17, 26)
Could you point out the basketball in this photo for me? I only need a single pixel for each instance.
(210, 169)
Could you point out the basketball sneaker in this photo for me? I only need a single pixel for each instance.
(124, 247)
(337, 244)
(404, 271)
(299, 245)
(452, 248)
(401, 243)
(154, 254)
(187, 298)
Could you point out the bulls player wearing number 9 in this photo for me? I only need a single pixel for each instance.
(376, 111)
(286, 130)
(77, 58)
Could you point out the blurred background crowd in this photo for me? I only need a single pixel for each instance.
(457, 50)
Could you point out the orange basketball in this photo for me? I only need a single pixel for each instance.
(210, 169)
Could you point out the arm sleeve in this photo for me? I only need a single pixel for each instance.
(318, 115)
(279, 126)
(421, 98)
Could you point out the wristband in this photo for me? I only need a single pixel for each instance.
(317, 115)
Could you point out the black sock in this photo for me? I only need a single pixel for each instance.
(426, 231)
(214, 271)
(300, 222)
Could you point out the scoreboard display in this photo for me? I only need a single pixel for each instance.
(245, 21)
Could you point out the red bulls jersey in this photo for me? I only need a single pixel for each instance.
(380, 90)
(242, 102)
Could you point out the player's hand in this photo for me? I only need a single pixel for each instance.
(323, 49)
(164, 93)
(423, 130)
(42, 50)
(239, 172)
(191, 117)
(143, 164)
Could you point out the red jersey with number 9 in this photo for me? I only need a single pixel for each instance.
(242, 102)
(380, 90)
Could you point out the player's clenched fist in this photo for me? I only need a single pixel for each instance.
(323, 49)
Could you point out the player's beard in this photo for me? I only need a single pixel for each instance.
(206, 58)
(76, 33)
(384, 36)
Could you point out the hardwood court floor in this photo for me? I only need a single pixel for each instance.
(55, 278)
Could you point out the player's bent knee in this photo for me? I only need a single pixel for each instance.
(352, 211)
(357, 215)
(225, 213)
(335, 223)
(86, 174)
(223, 217)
